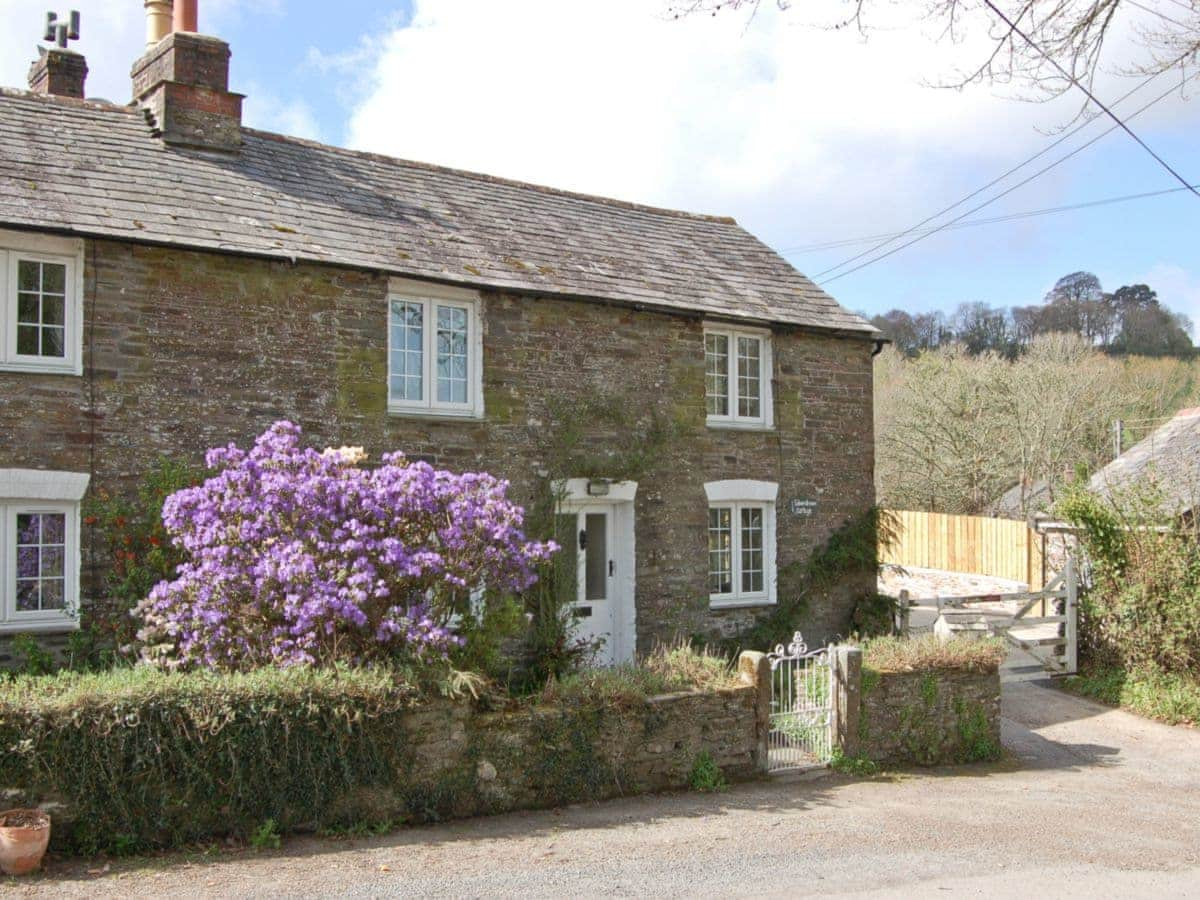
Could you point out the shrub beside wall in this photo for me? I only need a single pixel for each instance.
(138, 758)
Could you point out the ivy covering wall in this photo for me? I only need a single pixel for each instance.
(135, 759)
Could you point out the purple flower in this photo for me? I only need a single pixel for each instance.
(297, 557)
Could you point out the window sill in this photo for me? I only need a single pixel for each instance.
(38, 626)
(33, 368)
(740, 604)
(733, 425)
(435, 415)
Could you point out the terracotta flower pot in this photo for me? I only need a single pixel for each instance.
(24, 834)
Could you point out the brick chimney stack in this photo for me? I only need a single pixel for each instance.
(58, 72)
(183, 81)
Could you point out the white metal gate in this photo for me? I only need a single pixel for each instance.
(801, 725)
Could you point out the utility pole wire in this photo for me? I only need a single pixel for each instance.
(1155, 12)
(993, 220)
(975, 193)
(1182, 5)
(1071, 78)
(1004, 193)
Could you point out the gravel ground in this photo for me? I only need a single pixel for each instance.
(926, 584)
(1091, 802)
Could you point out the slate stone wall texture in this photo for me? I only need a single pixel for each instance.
(457, 760)
(546, 755)
(187, 350)
(928, 718)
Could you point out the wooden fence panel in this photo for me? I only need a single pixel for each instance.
(1000, 548)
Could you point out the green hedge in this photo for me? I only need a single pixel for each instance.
(1165, 696)
(144, 759)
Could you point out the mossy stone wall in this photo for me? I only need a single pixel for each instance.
(453, 760)
(929, 718)
(549, 755)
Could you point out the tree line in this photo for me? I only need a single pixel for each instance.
(1129, 320)
(955, 430)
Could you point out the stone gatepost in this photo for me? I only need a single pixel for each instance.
(847, 697)
(755, 669)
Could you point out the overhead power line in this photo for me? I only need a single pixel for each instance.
(1155, 12)
(993, 199)
(992, 220)
(1092, 97)
(1183, 5)
(975, 193)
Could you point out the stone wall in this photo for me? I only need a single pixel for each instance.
(187, 350)
(550, 755)
(447, 759)
(55, 644)
(929, 718)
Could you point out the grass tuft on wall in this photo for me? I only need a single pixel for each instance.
(930, 653)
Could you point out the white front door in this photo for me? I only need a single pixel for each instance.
(602, 604)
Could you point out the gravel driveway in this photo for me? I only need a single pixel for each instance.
(1093, 802)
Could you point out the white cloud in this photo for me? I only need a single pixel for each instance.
(1178, 288)
(805, 134)
(113, 35)
(265, 110)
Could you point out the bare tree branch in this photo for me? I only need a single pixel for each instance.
(1072, 33)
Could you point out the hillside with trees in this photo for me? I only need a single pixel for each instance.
(957, 425)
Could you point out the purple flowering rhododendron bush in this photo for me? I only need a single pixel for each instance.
(299, 556)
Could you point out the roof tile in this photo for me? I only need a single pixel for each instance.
(95, 168)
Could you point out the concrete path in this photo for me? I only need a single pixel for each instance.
(1093, 802)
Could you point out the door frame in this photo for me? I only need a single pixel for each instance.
(618, 502)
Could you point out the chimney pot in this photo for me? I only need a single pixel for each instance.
(158, 21)
(186, 16)
(58, 72)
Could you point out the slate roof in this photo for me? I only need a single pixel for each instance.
(1169, 457)
(1022, 500)
(94, 168)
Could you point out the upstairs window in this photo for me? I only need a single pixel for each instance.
(435, 349)
(737, 377)
(40, 303)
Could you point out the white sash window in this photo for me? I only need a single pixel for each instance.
(435, 350)
(39, 565)
(741, 542)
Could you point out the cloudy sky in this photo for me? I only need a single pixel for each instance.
(807, 136)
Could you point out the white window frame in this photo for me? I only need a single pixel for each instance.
(16, 246)
(38, 491)
(430, 296)
(737, 495)
(766, 420)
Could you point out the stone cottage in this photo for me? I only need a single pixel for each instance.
(171, 280)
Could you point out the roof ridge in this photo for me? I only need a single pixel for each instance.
(492, 179)
(77, 102)
(101, 104)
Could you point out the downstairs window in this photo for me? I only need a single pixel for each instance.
(741, 542)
